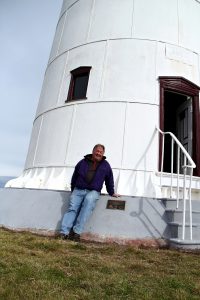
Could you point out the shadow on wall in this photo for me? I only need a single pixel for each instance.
(144, 155)
(65, 204)
(150, 214)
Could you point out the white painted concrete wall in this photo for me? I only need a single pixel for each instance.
(128, 44)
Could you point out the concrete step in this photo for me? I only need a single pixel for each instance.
(176, 215)
(164, 185)
(170, 203)
(167, 193)
(184, 244)
(176, 230)
(166, 180)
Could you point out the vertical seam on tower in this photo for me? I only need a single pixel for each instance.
(64, 11)
(36, 148)
(62, 32)
(133, 11)
(104, 70)
(91, 19)
(178, 19)
(199, 65)
(156, 55)
(124, 130)
(70, 132)
(61, 83)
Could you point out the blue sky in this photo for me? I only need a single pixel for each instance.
(27, 29)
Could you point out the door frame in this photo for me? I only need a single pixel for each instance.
(186, 87)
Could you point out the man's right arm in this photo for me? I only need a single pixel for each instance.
(75, 176)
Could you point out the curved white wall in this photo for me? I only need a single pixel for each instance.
(128, 44)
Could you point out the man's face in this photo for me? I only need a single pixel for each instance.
(97, 153)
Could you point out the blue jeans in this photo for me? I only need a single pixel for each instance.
(81, 205)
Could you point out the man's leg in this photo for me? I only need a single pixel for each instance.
(76, 199)
(87, 207)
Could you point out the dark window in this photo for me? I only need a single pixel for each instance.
(78, 83)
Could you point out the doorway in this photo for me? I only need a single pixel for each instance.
(178, 120)
(179, 114)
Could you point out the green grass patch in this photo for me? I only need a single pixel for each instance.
(35, 267)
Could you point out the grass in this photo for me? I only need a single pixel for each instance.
(35, 267)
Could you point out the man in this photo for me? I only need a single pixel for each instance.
(87, 180)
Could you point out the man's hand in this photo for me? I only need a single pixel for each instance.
(116, 195)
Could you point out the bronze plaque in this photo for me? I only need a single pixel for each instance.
(116, 204)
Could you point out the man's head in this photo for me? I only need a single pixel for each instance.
(98, 152)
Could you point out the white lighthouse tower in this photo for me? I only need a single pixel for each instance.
(124, 73)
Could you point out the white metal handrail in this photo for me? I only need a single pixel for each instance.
(188, 164)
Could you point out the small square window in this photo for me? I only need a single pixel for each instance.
(78, 84)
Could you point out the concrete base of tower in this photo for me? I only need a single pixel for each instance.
(125, 220)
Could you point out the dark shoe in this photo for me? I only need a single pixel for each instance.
(63, 236)
(76, 237)
(73, 236)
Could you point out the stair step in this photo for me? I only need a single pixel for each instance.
(186, 224)
(171, 203)
(176, 215)
(169, 179)
(166, 179)
(178, 210)
(176, 230)
(174, 187)
(166, 192)
(184, 244)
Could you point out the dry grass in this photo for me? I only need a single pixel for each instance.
(34, 267)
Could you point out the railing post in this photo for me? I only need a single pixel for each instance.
(190, 202)
(172, 164)
(178, 172)
(162, 157)
(184, 197)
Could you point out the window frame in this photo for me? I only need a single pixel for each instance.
(78, 72)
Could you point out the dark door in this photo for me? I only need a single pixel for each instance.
(179, 114)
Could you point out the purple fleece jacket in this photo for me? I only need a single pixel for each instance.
(103, 173)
